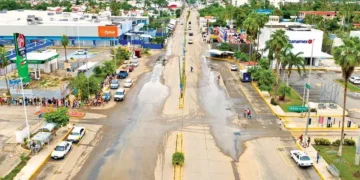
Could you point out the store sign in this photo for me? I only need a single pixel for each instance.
(300, 41)
(108, 31)
(21, 60)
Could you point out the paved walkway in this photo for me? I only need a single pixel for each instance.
(38, 160)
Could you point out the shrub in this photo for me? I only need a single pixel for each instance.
(97, 70)
(322, 141)
(273, 102)
(349, 142)
(178, 158)
(313, 110)
(336, 143)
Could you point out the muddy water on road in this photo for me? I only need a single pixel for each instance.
(219, 111)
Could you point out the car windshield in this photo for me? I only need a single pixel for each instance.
(75, 133)
(106, 94)
(305, 158)
(59, 148)
(114, 82)
(119, 93)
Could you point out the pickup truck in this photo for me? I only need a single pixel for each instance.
(123, 74)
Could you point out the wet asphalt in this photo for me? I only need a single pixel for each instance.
(133, 133)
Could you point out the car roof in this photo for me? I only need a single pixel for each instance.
(120, 90)
(62, 143)
(77, 129)
(128, 80)
(106, 91)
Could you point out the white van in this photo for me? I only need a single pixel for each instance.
(135, 61)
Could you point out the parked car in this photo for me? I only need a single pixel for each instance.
(80, 52)
(123, 74)
(128, 83)
(61, 150)
(131, 67)
(135, 61)
(119, 95)
(114, 84)
(189, 22)
(189, 28)
(76, 134)
(354, 79)
(107, 96)
(234, 67)
(301, 158)
(190, 41)
(191, 34)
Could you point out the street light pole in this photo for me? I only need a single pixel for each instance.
(308, 91)
(25, 111)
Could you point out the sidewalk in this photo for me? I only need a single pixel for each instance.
(300, 123)
(38, 160)
(321, 167)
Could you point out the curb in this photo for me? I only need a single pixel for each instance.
(35, 173)
(336, 81)
(178, 168)
(315, 168)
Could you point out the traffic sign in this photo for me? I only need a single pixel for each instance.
(307, 86)
(297, 108)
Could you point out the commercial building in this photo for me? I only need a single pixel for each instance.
(82, 29)
(324, 14)
(303, 38)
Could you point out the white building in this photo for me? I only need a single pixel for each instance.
(238, 3)
(302, 37)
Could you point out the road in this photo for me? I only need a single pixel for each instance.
(134, 137)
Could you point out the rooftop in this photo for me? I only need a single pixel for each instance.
(319, 12)
(41, 56)
(46, 18)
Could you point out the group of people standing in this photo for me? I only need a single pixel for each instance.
(247, 113)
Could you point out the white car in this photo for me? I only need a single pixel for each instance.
(190, 41)
(234, 67)
(354, 79)
(119, 95)
(135, 63)
(76, 134)
(301, 158)
(61, 150)
(80, 52)
(128, 83)
(114, 84)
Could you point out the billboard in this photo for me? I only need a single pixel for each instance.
(108, 31)
(21, 60)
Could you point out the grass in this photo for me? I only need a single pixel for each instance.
(16, 170)
(293, 99)
(347, 167)
(352, 87)
(99, 78)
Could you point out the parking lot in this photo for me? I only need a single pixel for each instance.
(68, 167)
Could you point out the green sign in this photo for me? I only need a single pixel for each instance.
(21, 61)
(307, 86)
(297, 108)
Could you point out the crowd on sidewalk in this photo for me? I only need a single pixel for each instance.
(52, 102)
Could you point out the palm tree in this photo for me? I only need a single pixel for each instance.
(284, 59)
(65, 42)
(251, 27)
(278, 40)
(347, 56)
(4, 63)
(297, 61)
(261, 20)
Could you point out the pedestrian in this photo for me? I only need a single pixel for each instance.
(191, 68)
(308, 141)
(317, 156)
(249, 114)
(301, 138)
(245, 113)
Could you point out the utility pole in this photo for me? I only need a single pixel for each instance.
(308, 91)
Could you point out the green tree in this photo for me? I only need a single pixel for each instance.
(263, 63)
(4, 63)
(97, 70)
(68, 8)
(65, 42)
(77, 2)
(59, 116)
(278, 40)
(347, 56)
(114, 8)
(178, 13)
(283, 91)
(295, 60)
(86, 86)
(108, 67)
(265, 79)
(241, 56)
(251, 26)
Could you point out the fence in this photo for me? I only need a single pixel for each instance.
(142, 44)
